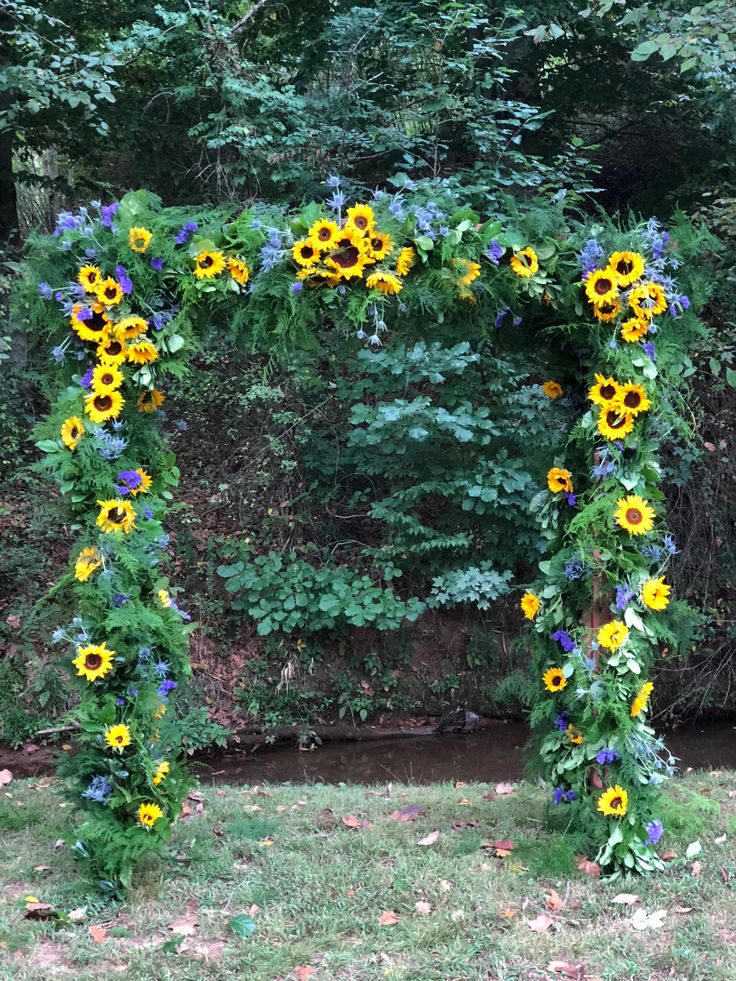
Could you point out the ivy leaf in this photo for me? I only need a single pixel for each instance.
(243, 925)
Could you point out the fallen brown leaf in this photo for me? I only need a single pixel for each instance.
(356, 823)
(507, 912)
(540, 923)
(554, 900)
(98, 933)
(184, 927)
(389, 918)
(423, 908)
(589, 868)
(303, 973)
(625, 899)
(501, 849)
(565, 969)
(429, 839)
(504, 788)
(409, 813)
(5, 777)
(459, 824)
(697, 868)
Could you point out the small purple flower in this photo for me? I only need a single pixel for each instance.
(572, 499)
(126, 283)
(561, 722)
(624, 595)
(58, 354)
(84, 314)
(185, 232)
(337, 201)
(147, 513)
(45, 291)
(120, 599)
(570, 796)
(297, 287)
(86, 380)
(333, 181)
(655, 830)
(165, 687)
(500, 315)
(670, 545)
(590, 256)
(161, 668)
(649, 350)
(108, 212)
(157, 263)
(396, 207)
(604, 756)
(182, 425)
(557, 795)
(59, 296)
(685, 302)
(564, 639)
(120, 701)
(517, 321)
(130, 480)
(100, 789)
(494, 251)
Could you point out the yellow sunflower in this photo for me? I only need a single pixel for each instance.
(613, 802)
(116, 515)
(647, 300)
(525, 262)
(627, 267)
(89, 277)
(386, 282)
(72, 430)
(106, 378)
(150, 400)
(529, 604)
(641, 699)
(604, 391)
(380, 244)
(149, 814)
(238, 270)
(633, 330)
(164, 598)
(142, 352)
(405, 261)
(109, 292)
(634, 514)
(139, 239)
(615, 424)
(361, 218)
(93, 661)
(129, 328)
(350, 258)
(95, 328)
(325, 233)
(606, 311)
(103, 406)
(470, 270)
(601, 286)
(161, 772)
(633, 399)
(554, 679)
(112, 350)
(306, 252)
(655, 593)
(209, 264)
(145, 484)
(612, 635)
(88, 561)
(559, 480)
(552, 389)
(118, 737)
(574, 735)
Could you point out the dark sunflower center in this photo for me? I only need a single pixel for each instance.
(206, 262)
(615, 802)
(96, 322)
(92, 662)
(111, 292)
(116, 515)
(603, 286)
(361, 222)
(91, 276)
(376, 244)
(614, 420)
(607, 391)
(607, 308)
(324, 235)
(347, 257)
(103, 402)
(634, 516)
(118, 739)
(107, 379)
(624, 266)
(306, 252)
(74, 432)
(632, 400)
(114, 348)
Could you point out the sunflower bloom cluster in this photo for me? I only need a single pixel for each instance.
(618, 404)
(621, 289)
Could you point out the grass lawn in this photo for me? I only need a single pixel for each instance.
(314, 891)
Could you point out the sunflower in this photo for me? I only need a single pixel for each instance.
(88, 561)
(628, 267)
(604, 391)
(306, 252)
(72, 430)
(641, 699)
(647, 300)
(613, 802)
(525, 262)
(112, 350)
(139, 239)
(360, 218)
(574, 735)
(106, 378)
(633, 399)
(615, 424)
(150, 400)
(405, 260)
(612, 635)
(95, 328)
(634, 514)
(209, 264)
(109, 292)
(601, 286)
(655, 593)
(554, 679)
(149, 814)
(315, 275)
(101, 406)
(385, 282)
(529, 604)
(238, 270)
(164, 598)
(93, 661)
(325, 233)
(145, 484)
(380, 244)
(118, 737)
(161, 772)
(552, 389)
(350, 259)
(559, 480)
(129, 328)
(608, 310)
(116, 515)
(142, 352)
(89, 277)
(633, 330)
(471, 270)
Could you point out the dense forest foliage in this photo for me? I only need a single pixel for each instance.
(566, 108)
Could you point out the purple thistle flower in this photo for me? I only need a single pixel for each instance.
(564, 639)
(99, 789)
(58, 354)
(157, 263)
(59, 296)
(655, 830)
(182, 425)
(396, 207)
(590, 256)
(333, 181)
(337, 201)
(670, 545)
(161, 668)
(45, 291)
(494, 251)
(86, 380)
(517, 321)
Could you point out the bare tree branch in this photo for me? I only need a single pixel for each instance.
(248, 17)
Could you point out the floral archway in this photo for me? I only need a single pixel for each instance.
(124, 291)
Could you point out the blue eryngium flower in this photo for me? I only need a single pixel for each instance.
(100, 789)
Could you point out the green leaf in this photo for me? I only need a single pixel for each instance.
(243, 925)
(731, 377)
(48, 445)
(175, 343)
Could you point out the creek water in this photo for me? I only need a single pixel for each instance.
(491, 754)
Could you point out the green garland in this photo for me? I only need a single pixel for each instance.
(126, 292)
